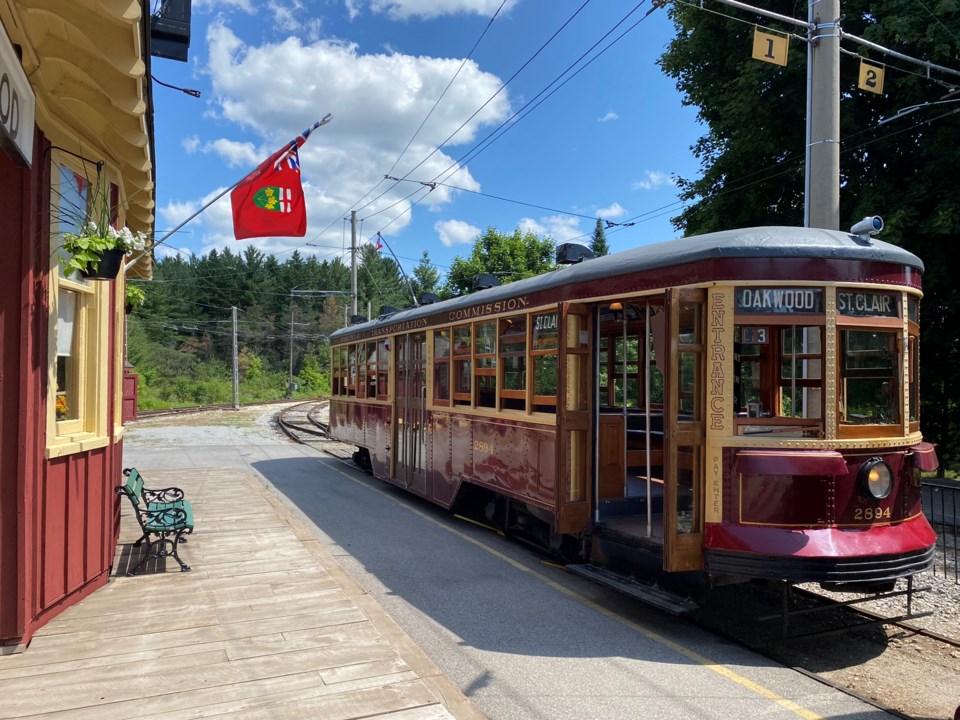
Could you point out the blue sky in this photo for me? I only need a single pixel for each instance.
(606, 143)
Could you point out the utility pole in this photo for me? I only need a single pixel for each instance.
(236, 361)
(353, 262)
(822, 206)
(290, 380)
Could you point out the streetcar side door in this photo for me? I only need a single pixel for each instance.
(575, 418)
(409, 434)
(682, 339)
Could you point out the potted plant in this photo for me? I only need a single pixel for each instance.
(97, 249)
(135, 297)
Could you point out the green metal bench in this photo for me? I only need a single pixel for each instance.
(163, 514)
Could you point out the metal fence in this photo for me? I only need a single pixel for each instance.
(941, 503)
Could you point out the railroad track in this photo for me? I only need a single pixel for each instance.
(145, 414)
(306, 423)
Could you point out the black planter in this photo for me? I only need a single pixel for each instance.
(108, 268)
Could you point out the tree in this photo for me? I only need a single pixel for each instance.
(507, 257)
(598, 245)
(426, 277)
(751, 157)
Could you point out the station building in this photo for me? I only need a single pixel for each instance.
(77, 123)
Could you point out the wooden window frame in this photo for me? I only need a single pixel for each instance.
(86, 427)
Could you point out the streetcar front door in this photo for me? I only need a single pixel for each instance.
(681, 332)
(409, 440)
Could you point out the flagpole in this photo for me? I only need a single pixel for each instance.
(293, 143)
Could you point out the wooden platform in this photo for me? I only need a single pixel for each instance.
(266, 625)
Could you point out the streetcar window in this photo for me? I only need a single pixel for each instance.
(370, 375)
(870, 389)
(383, 370)
(914, 370)
(913, 361)
(441, 367)
(485, 364)
(544, 362)
(513, 363)
(779, 379)
(801, 372)
(352, 371)
(462, 365)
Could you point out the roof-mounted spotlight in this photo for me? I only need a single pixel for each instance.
(868, 227)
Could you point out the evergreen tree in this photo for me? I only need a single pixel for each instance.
(599, 242)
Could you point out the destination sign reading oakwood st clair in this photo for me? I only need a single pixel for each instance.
(806, 301)
(864, 303)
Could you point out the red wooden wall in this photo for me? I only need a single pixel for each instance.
(58, 518)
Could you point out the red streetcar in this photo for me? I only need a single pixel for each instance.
(743, 404)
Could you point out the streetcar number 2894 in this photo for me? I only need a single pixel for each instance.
(871, 513)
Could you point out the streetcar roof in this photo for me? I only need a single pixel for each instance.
(758, 242)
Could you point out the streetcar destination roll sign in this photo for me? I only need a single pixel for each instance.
(797, 301)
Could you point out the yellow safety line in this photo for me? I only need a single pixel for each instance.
(649, 634)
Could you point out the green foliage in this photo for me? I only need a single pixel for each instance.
(507, 257)
(598, 244)
(752, 155)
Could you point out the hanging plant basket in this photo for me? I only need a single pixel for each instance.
(109, 266)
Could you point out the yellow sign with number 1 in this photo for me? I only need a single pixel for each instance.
(871, 78)
(769, 48)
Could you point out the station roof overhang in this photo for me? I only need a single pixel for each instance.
(88, 62)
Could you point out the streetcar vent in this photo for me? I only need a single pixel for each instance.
(357, 319)
(429, 298)
(386, 310)
(573, 253)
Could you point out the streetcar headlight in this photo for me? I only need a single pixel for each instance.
(875, 479)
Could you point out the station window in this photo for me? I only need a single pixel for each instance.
(462, 364)
(513, 363)
(543, 358)
(79, 321)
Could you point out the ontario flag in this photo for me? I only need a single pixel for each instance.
(269, 201)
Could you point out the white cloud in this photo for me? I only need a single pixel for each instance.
(245, 5)
(377, 102)
(608, 117)
(559, 228)
(353, 8)
(429, 9)
(614, 211)
(653, 179)
(174, 213)
(243, 155)
(456, 232)
(191, 144)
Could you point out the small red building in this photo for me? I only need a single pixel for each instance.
(76, 115)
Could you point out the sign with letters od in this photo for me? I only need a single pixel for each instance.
(17, 105)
